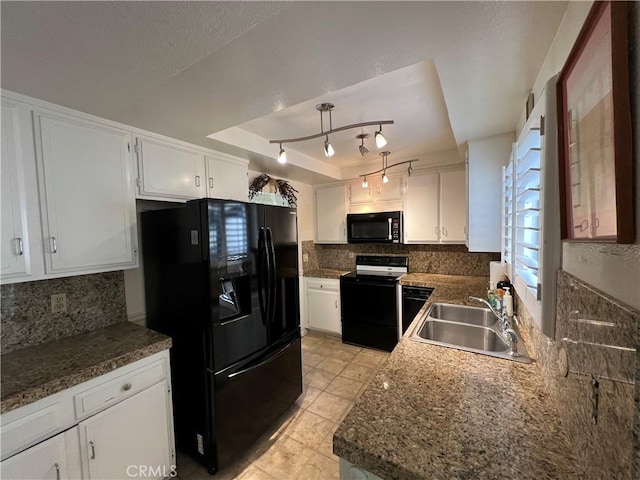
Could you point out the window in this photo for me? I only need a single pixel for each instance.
(531, 213)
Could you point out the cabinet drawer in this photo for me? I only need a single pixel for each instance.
(31, 428)
(323, 284)
(104, 395)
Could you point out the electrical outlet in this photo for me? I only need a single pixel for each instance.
(59, 303)
(305, 257)
(350, 254)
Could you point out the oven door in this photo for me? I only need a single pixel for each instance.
(369, 313)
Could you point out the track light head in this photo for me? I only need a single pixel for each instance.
(282, 156)
(328, 148)
(363, 150)
(410, 169)
(385, 179)
(365, 184)
(380, 140)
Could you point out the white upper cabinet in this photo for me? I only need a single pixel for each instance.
(358, 195)
(421, 209)
(453, 206)
(169, 171)
(386, 192)
(86, 194)
(485, 159)
(15, 237)
(227, 178)
(331, 215)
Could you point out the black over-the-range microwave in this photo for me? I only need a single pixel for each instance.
(381, 227)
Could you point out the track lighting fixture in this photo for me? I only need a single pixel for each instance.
(363, 150)
(380, 140)
(328, 148)
(282, 156)
(385, 167)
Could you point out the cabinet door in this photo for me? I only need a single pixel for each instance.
(15, 238)
(323, 307)
(169, 170)
(358, 195)
(87, 200)
(385, 192)
(421, 209)
(226, 179)
(453, 207)
(54, 459)
(331, 219)
(130, 435)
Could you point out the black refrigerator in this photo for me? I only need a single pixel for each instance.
(221, 278)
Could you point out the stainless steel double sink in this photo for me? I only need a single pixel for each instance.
(472, 329)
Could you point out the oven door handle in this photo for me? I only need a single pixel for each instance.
(390, 236)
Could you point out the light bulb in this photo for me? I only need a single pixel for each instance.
(385, 179)
(328, 149)
(380, 140)
(365, 184)
(282, 156)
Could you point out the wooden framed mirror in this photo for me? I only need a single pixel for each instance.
(594, 128)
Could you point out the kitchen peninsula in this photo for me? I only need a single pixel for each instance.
(440, 413)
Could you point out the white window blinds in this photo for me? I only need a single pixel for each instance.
(527, 209)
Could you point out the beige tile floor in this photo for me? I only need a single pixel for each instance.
(299, 446)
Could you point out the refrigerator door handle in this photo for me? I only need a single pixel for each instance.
(271, 357)
(262, 252)
(272, 276)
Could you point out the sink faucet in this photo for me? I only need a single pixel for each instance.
(499, 316)
(505, 322)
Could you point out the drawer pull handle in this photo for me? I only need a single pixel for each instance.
(57, 467)
(54, 242)
(20, 247)
(93, 450)
(126, 387)
(210, 182)
(197, 180)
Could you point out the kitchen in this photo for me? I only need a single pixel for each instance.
(101, 67)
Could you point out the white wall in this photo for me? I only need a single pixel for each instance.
(614, 269)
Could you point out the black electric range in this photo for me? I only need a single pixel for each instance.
(370, 301)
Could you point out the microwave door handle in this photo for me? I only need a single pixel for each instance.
(389, 220)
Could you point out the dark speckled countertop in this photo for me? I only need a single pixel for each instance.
(325, 273)
(439, 413)
(35, 372)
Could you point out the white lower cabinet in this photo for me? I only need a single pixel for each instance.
(323, 305)
(53, 459)
(128, 437)
(115, 426)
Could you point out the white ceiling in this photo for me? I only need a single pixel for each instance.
(445, 72)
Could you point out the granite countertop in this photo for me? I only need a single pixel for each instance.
(325, 273)
(439, 413)
(35, 372)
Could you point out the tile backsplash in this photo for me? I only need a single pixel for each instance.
(596, 341)
(93, 301)
(440, 259)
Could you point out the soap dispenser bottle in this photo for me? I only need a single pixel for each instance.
(508, 302)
